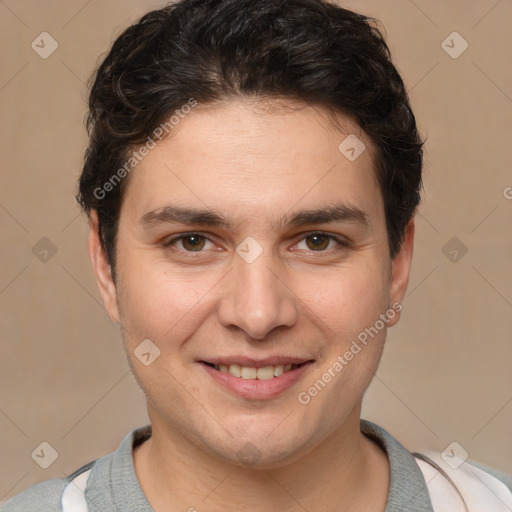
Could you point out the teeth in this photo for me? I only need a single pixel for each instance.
(248, 373)
(265, 373)
(235, 370)
(278, 370)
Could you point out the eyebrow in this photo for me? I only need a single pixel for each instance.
(336, 213)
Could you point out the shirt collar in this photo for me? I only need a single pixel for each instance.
(407, 487)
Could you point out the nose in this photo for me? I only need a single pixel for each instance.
(256, 299)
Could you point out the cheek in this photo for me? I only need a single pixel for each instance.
(348, 299)
(158, 304)
(349, 305)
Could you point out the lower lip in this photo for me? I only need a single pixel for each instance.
(255, 389)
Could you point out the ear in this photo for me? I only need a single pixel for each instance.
(102, 269)
(400, 270)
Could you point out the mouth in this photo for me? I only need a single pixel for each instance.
(256, 380)
(255, 373)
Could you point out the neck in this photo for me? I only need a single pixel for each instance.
(346, 469)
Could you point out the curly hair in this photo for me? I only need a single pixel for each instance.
(216, 50)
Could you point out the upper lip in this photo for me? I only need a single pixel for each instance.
(251, 362)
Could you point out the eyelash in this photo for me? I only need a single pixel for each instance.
(342, 243)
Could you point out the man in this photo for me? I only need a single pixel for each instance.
(251, 183)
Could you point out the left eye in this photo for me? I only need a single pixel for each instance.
(319, 242)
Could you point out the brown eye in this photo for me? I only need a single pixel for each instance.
(193, 242)
(318, 242)
(190, 245)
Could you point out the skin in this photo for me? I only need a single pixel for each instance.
(254, 163)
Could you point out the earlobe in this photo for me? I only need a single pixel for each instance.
(102, 269)
(400, 269)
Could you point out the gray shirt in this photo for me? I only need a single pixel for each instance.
(113, 484)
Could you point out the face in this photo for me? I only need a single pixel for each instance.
(253, 254)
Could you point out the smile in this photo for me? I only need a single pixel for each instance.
(256, 380)
(249, 373)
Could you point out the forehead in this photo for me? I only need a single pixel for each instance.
(259, 159)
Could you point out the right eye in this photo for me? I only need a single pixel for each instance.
(190, 242)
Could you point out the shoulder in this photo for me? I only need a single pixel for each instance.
(444, 482)
(47, 496)
(481, 487)
(42, 497)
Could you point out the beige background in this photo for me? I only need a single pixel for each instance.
(446, 371)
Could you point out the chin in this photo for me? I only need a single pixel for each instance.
(271, 456)
(268, 447)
